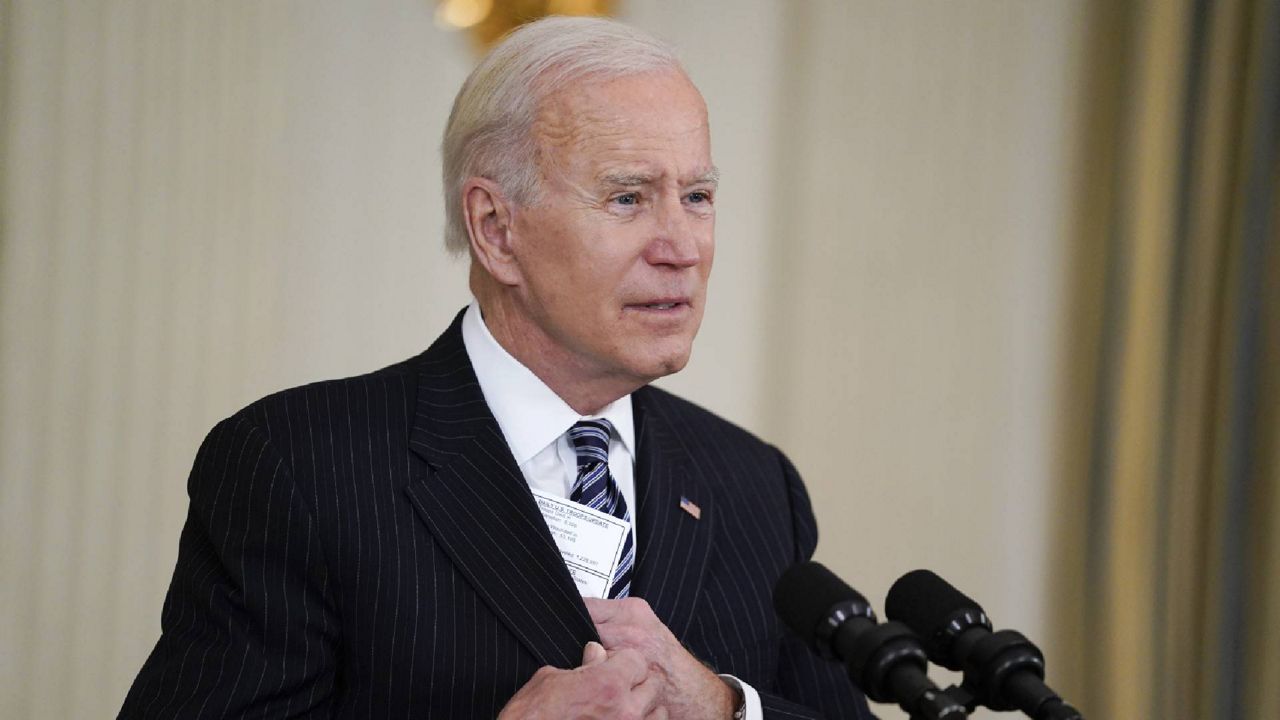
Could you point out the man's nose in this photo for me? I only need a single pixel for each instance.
(675, 241)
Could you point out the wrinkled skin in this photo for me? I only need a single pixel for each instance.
(606, 685)
(687, 689)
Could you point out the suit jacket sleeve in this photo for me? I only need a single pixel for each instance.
(246, 624)
(808, 686)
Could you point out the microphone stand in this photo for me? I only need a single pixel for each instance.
(936, 703)
(888, 663)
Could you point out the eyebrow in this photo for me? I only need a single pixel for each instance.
(627, 179)
(711, 177)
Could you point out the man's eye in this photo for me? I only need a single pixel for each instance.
(699, 196)
(628, 199)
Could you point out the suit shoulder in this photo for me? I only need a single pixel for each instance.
(695, 419)
(392, 386)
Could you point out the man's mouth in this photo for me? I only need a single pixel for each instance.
(661, 304)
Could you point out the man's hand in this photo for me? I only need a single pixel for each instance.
(607, 685)
(689, 690)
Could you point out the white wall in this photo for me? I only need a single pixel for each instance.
(924, 286)
(208, 201)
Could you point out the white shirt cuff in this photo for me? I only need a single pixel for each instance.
(751, 698)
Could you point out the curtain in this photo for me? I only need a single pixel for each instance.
(202, 202)
(1172, 610)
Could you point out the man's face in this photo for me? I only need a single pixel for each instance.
(615, 253)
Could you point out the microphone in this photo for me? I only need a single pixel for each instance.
(1003, 670)
(886, 661)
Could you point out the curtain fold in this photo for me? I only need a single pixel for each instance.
(1181, 556)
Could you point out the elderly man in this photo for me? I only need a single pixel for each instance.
(513, 523)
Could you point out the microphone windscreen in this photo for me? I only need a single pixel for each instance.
(926, 603)
(805, 595)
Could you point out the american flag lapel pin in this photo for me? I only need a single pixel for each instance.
(690, 507)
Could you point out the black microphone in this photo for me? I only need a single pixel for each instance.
(1003, 670)
(886, 661)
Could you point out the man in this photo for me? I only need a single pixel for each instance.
(382, 546)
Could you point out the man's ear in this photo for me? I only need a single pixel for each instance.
(488, 216)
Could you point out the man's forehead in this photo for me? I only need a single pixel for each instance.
(629, 131)
(621, 105)
(615, 123)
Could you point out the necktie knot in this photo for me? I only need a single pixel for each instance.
(590, 440)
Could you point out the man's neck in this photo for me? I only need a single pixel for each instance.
(581, 389)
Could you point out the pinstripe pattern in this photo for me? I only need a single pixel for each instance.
(596, 489)
(367, 548)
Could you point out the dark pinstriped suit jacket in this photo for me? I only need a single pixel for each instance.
(367, 548)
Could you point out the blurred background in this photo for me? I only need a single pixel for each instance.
(1018, 261)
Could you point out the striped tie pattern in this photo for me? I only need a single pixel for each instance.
(596, 488)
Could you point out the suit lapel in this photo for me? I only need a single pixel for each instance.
(674, 546)
(478, 507)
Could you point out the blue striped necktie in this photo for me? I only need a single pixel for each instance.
(596, 488)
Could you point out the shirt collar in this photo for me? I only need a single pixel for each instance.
(529, 413)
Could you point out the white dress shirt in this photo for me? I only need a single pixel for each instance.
(535, 423)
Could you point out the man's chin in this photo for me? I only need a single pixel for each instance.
(667, 365)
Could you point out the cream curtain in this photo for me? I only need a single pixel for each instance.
(123, 231)
(196, 211)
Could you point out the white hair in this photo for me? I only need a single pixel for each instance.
(490, 134)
